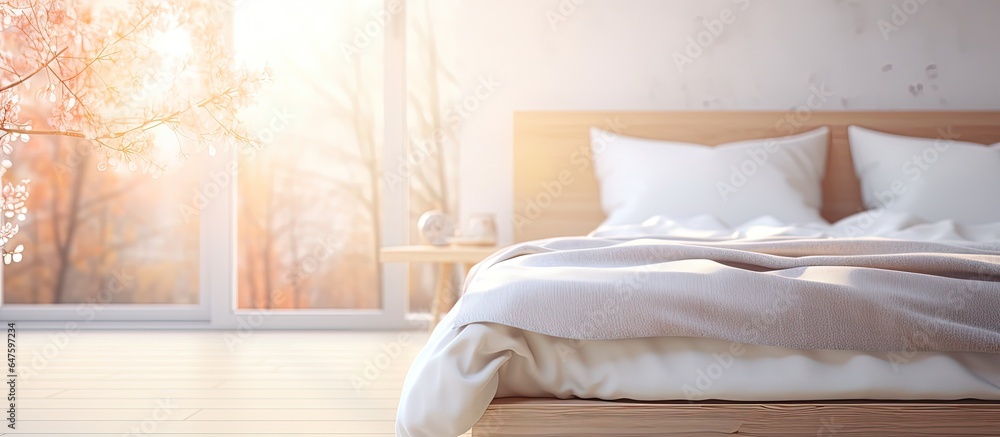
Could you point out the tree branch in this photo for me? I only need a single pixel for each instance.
(43, 132)
(144, 125)
(40, 68)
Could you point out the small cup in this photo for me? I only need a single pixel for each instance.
(481, 229)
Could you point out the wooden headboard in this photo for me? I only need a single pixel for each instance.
(556, 192)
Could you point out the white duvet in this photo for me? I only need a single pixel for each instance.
(462, 369)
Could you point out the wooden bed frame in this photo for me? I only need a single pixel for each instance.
(576, 417)
(556, 194)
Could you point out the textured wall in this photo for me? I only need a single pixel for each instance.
(663, 54)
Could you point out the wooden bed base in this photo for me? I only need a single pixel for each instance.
(577, 417)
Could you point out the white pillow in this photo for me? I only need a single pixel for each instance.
(736, 182)
(933, 179)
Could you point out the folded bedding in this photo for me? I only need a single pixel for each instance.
(461, 370)
(599, 316)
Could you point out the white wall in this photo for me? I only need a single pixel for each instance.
(618, 54)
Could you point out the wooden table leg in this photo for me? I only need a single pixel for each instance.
(442, 294)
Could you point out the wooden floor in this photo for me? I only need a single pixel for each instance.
(270, 383)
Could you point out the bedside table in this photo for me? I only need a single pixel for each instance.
(447, 257)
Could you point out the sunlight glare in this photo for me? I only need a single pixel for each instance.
(174, 43)
(166, 144)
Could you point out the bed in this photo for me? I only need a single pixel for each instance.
(504, 376)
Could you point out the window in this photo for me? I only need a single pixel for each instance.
(307, 206)
(291, 228)
(99, 235)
